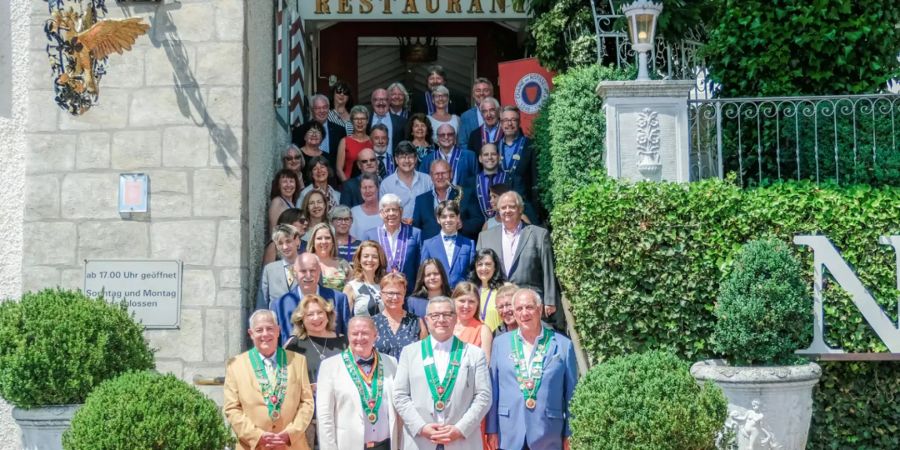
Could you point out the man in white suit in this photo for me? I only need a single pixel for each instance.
(353, 398)
(442, 389)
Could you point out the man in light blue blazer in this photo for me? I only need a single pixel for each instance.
(462, 162)
(402, 243)
(308, 275)
(536, 417)
(454, 251)
(470, 120)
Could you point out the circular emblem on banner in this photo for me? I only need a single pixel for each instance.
(531, 91)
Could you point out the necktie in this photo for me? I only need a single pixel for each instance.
(379, 120)
(382, 170)
(290, 275)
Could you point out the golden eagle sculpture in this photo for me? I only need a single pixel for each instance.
(82, 45)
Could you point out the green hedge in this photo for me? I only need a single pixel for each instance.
(570, 132)
(645, 401)
(146, 410)
(642, 263)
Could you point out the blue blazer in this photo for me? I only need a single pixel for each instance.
(285, 306)
(468, 122)
(458, 269)
(413, 250)
(424, 218)
(465, 168)
(544, 427)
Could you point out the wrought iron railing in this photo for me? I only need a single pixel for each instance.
(842, 139)
(669, 59)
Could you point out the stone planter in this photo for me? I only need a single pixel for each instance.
(42, 428)
(768, 407)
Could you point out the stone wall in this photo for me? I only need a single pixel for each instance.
(14, 20)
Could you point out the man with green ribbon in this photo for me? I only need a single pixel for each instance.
(353, 399)
(268, 400)
(442, 389)
(533, 374)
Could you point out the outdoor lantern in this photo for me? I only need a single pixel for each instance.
(642, 16)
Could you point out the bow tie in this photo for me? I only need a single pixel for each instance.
(365, 362)
(450, 238)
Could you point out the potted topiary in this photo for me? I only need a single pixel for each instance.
(764, 314)
(55, 346)
(147, 410)
(645, 401)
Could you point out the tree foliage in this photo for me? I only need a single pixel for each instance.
(803, 47)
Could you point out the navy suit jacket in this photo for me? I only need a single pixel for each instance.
(424, 218)
(351, 194)
(465, 168)
(545, 426)
(413, 251)
(285, 306)
(526, 170)
(468, 122)
(464, 254)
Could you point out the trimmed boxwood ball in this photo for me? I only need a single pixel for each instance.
(764, 309)
(56, 345)
(645, 401)
(146, 410)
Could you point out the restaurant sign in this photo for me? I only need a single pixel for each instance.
(827, 259)
(342, 10)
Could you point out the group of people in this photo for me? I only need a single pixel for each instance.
(410, 300)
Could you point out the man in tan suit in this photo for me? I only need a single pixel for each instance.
(268, 400)
(353, 401)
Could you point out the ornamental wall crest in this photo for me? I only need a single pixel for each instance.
(80, 42)
(648, 136)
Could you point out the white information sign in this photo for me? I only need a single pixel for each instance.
(151, 288)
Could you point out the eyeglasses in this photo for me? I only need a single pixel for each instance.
(342, 219)
(504, 306)
(389, 294)
(509, 120)
(293, 158)
(406, 156)
(439, 316)
(367, 161)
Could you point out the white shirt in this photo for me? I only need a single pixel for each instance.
(441, 351)
(509, 242)
(380, 430)
(449, 248)
(392, 241)
(421, 183)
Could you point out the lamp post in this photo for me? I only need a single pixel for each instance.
(642, 16)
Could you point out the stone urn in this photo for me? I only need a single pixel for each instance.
(42, 428)
(768, 407)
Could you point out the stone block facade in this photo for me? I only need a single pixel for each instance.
(178, 108)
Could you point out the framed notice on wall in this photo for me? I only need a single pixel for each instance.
(151, 289)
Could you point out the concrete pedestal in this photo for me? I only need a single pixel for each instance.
(647, 135)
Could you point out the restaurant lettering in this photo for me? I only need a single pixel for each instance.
(418, 8)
